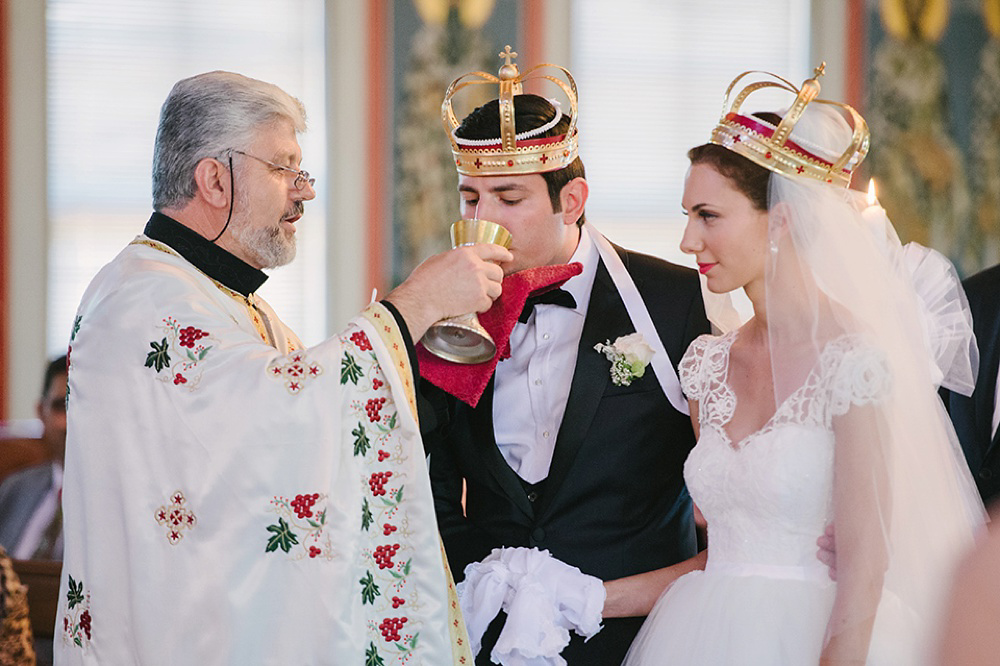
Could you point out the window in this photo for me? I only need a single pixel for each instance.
(652, 77)
(111, 64)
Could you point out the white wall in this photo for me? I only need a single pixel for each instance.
(27, 213)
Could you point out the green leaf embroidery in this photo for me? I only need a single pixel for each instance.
(399, 495)
(407, 567)
(413, 641)
(361, 443)
(372, 657)
(349, 370)
(78, 642)
(75, 594)
(76, 328)
(283, 538)
(369, 590)
(366, 515)
(191, 356)
(201, 354)
(159, 358)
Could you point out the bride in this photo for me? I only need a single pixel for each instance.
(819, 410)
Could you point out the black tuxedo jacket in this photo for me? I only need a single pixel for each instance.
(614, 503)
(973, 417)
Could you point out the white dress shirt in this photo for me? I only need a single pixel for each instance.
(531, 387)
(996, 410)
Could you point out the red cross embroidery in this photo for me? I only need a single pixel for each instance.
(543, 159)
(176, 518)
(800, 169)
(737, 138)
(478, 163)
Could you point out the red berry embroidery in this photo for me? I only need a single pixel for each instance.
(383, 555)
(190, 335)
(361, 340)
(314, 551)
(397, 602)
(390, 628)
(377, 482)
(382, 455)
(85, 622)
(373, 407)
(377, 384)
(302, 505)
(388, 529)
(179, 379)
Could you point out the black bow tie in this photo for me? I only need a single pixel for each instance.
(550, 297)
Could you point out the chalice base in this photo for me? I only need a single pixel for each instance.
(460, 339)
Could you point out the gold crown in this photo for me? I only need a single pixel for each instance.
(770, 146)
(512, 153)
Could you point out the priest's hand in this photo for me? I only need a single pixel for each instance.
(456, 282)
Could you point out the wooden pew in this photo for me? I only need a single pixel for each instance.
(21, 452)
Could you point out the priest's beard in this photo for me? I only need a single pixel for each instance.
(269, 246)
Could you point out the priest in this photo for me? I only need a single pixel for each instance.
(230, 495)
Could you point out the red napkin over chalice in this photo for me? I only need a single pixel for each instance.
(467, 382)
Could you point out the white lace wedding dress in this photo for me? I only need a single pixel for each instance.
(764, 598)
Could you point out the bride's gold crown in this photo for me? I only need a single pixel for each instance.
(770, 146)
(512, 153)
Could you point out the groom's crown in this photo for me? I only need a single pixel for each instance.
(512, 152)
(770, 146)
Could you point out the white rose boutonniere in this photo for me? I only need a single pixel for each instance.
(629, 356)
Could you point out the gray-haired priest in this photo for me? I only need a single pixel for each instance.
(231, 496)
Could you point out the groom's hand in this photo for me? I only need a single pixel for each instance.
(827, 553)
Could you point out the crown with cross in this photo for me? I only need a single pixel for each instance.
(513, 152)
(770, 146)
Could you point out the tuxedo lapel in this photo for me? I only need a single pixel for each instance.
(606, 320)
(484, 439)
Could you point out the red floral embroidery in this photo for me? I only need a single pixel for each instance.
(179, 352)
(301, 527)
(77, 622)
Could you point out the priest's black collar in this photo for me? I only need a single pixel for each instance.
(209, 258)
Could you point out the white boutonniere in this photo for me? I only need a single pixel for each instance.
(629, 356)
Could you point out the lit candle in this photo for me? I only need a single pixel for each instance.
(875, 217)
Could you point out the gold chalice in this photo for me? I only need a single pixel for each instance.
(463, 339)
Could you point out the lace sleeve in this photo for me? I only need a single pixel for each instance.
(861, 376)
(691, 368)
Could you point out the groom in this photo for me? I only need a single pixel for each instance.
(555, 455)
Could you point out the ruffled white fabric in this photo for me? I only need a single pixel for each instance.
(945, 316)
(544, 599)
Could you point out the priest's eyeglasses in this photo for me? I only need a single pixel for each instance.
(301, 177)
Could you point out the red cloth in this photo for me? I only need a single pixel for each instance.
(467, 382)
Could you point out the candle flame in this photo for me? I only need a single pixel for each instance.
(872, 198)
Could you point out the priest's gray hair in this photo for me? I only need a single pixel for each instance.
(206, 116)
